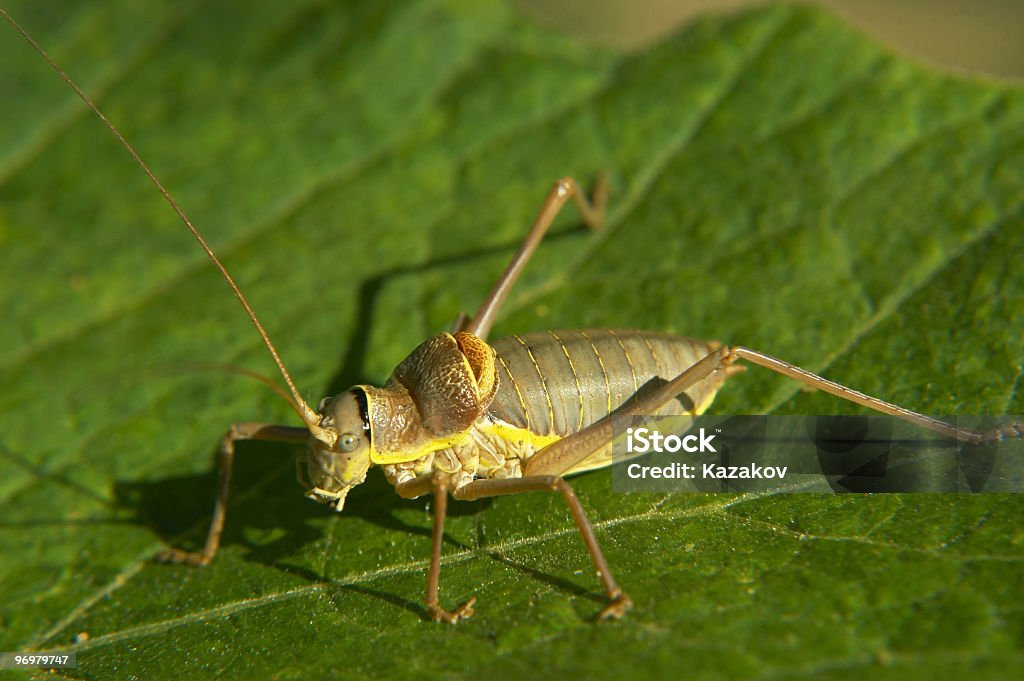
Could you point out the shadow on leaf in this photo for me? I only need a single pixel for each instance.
(264, 497)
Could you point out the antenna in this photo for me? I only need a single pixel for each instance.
(306, 413)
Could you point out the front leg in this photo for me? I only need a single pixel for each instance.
(225, 460)
(414, 488)
(437, 613)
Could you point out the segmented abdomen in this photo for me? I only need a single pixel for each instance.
(558, 382)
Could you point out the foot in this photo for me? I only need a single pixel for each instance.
(464, 611)
(617, 608)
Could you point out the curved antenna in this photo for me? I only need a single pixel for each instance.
(175, 368)
(311, 418)
(225, 368)
(247, 373)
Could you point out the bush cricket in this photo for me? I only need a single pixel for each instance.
(464, 417)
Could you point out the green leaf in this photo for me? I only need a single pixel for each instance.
(365, 170)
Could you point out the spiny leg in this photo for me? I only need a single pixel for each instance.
(437, 613)
(965, 435)
(565, 189)
(415, 488)
(239, 431)
(620, 601)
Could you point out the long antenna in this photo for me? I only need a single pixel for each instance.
(307, 414)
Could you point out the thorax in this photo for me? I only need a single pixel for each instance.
(490, 449)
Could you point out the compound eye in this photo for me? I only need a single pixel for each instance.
(348, 442)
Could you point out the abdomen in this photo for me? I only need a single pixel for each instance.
(558, 382)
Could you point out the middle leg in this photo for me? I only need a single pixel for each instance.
(565, 189)
(410, 490)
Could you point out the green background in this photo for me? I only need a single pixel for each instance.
(366, 169)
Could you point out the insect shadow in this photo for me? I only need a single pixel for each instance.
(271, 518)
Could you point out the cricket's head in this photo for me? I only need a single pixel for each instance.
(339, 450)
